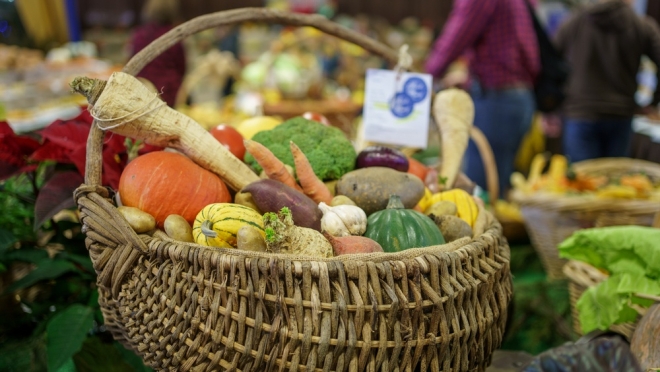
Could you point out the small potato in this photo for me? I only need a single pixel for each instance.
(177, 228)
(140, 221)
(332, 186)
(341, 200)
(442, 208)
(452, 227)
(250, 239)
(245, 199)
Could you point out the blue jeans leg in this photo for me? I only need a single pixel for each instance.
(504, 117)
(592, 139)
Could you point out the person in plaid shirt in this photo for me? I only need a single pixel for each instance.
(498, 39)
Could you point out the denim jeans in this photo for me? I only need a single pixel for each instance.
(504, 116)
(591, 139)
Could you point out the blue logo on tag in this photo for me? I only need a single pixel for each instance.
(415, 89)
(403, 103)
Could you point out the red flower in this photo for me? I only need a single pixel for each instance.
(65, 141)
(15, 152)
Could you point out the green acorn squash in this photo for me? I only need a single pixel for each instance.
(396, 228)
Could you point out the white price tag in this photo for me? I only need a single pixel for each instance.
(397, 108)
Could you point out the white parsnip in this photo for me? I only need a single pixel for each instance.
(453, 110)
(125, 106)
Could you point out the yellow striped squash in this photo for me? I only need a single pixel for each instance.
(217, 224)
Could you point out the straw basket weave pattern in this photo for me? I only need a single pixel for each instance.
(550, 219)
(184, 307)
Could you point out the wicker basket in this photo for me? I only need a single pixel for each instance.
(550, 219)
(582, 276)
(185, 307)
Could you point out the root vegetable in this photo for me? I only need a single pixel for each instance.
(177, 228)
(352, 244)
(272, 196)
(452, 227)
(272, 166)
(250, 239)
(245, 199)
(139, 221)
(311, 185)
(125, 106)
(283, 236)
(341, 200)
(453, 110)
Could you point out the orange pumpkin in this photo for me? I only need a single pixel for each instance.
(163, 183)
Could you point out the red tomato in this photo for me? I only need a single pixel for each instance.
(315, 116)
(417, 168)
(230, 137)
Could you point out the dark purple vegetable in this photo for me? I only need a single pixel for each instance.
(381, 156)
(270, 196)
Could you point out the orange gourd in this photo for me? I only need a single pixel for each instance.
(163, 183)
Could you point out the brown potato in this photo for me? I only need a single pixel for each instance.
(452, 227)
(370, 188)
(177, 228)
(249, 238)
(139, 221)
(245, 199)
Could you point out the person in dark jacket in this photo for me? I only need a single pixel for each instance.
(167, 70)
(604, 43)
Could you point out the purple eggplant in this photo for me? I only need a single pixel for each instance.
(381, 156)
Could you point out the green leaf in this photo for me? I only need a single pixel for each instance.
(630, 283)
(599, 306)
(627, 315)
(576, 247)
(69, 366)
(7, 240)
(81, 260)
(3, 268)
(624, 261)
(98, 356)
(66, 333)
(46, 269)
(131, 358)
(27, 255)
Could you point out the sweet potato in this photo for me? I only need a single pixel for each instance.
(352, 244)
(272, 196)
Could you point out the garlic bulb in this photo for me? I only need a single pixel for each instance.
(343, 220)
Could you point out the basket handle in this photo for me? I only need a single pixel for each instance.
(230, 17)
(488, 159)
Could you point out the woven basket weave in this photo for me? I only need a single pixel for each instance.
(185, 307)
(550, 219)
(581, 276)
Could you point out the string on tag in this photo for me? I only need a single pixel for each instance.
(128, 115)
(405, 60)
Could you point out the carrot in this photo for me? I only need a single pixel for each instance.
(273, 167)
(312, 186)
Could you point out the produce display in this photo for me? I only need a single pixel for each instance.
(300, 187)
(561, 179)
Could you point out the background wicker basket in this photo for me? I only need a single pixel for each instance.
(186, 307)
(550, 218)
(582, 276)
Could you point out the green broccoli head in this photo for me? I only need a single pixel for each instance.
(328, 150)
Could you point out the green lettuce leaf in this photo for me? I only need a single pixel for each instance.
(600, 305)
